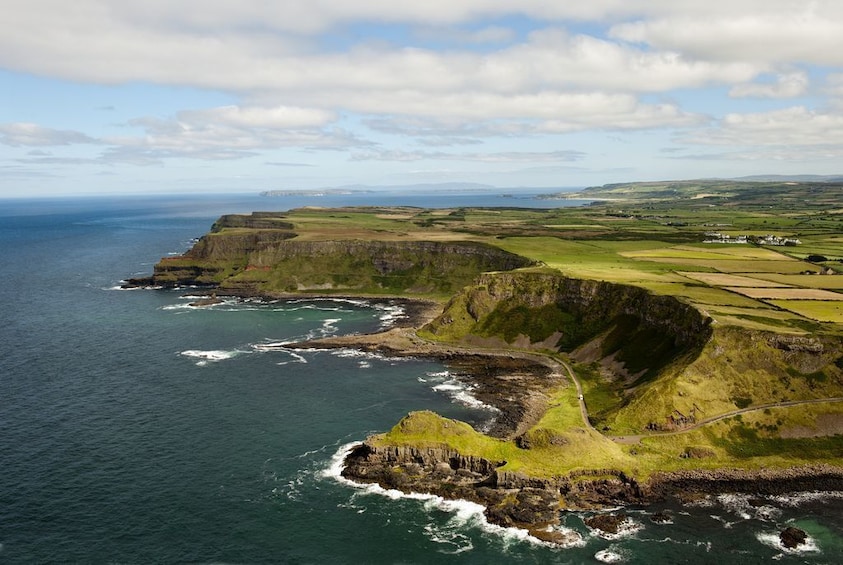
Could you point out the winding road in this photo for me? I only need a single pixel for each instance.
(636, 438)
(407, 340)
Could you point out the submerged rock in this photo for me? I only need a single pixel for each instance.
(792, 537)
(661, 518)
(207, 301)
(609, 523)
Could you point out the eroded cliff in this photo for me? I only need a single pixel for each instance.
(247, 260)
(545, 310)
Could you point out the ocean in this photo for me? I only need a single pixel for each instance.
(135, 428)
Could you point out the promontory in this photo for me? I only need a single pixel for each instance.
(669, 340)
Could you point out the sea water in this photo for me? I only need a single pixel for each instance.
(135, 428)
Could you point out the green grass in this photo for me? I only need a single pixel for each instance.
(601, 395)
(820, 310)
(538, 324)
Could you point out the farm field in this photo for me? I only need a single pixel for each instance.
(787, 293)
(806, 281)
(725, 280)
(647, 240)
(821, 311)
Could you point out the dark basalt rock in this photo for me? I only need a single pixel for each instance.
(609, 523)
(207, 301)
(792, 537)
(533, 503)
(661, 518)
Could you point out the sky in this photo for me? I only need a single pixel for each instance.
(182, 96)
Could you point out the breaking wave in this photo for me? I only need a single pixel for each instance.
(773, 539)
(446, 383)
(212, 356)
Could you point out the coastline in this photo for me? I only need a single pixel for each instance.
(512, 500)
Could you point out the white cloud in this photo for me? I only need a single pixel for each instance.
(494, 157)
(453, 35)
(301, 74)
(834, 85)
(788, 85)
(251, 52)
(315, 16)
(28, 134)
(281, 117)
(794, 126)
(776, 32)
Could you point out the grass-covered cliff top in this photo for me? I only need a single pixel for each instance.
(791, 232)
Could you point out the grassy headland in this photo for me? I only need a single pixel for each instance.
(704, 320)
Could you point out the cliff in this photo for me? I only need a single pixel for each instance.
(274, 261)
(650, 362)
(544, 310)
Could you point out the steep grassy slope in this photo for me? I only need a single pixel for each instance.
(648, 362)
(542, 309)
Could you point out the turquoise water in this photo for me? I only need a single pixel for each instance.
(136, 429)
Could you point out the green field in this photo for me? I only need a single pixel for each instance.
(822, 311)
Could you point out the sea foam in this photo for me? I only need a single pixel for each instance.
(797, 499)
(213, 356)
(627, 528)
(740, 505)
(773, 539)
(610, 556)
(457, 390)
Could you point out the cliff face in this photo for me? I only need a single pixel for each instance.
(546, 310)
(255, 220)
(242, 256)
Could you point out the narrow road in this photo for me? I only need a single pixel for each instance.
(637, 438)
(407, 337)
(580, 397)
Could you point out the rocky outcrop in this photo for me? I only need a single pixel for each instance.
(609, 523)
(593, 304)
(796, 343)
(447, 473)
(792, 537)
(762, 481)
(236, 245)
(255, 220)
(533, 503)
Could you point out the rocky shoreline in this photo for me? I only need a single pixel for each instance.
(534, 504)
(513, 383)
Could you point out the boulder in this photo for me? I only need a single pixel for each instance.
(792, 537)
(609, 523)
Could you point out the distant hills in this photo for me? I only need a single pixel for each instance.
(791, 178)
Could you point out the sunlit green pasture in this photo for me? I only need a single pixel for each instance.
(820, 310)
(829, 282)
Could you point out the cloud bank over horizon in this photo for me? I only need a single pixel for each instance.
(185, 95)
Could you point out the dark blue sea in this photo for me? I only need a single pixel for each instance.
(137, 429)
